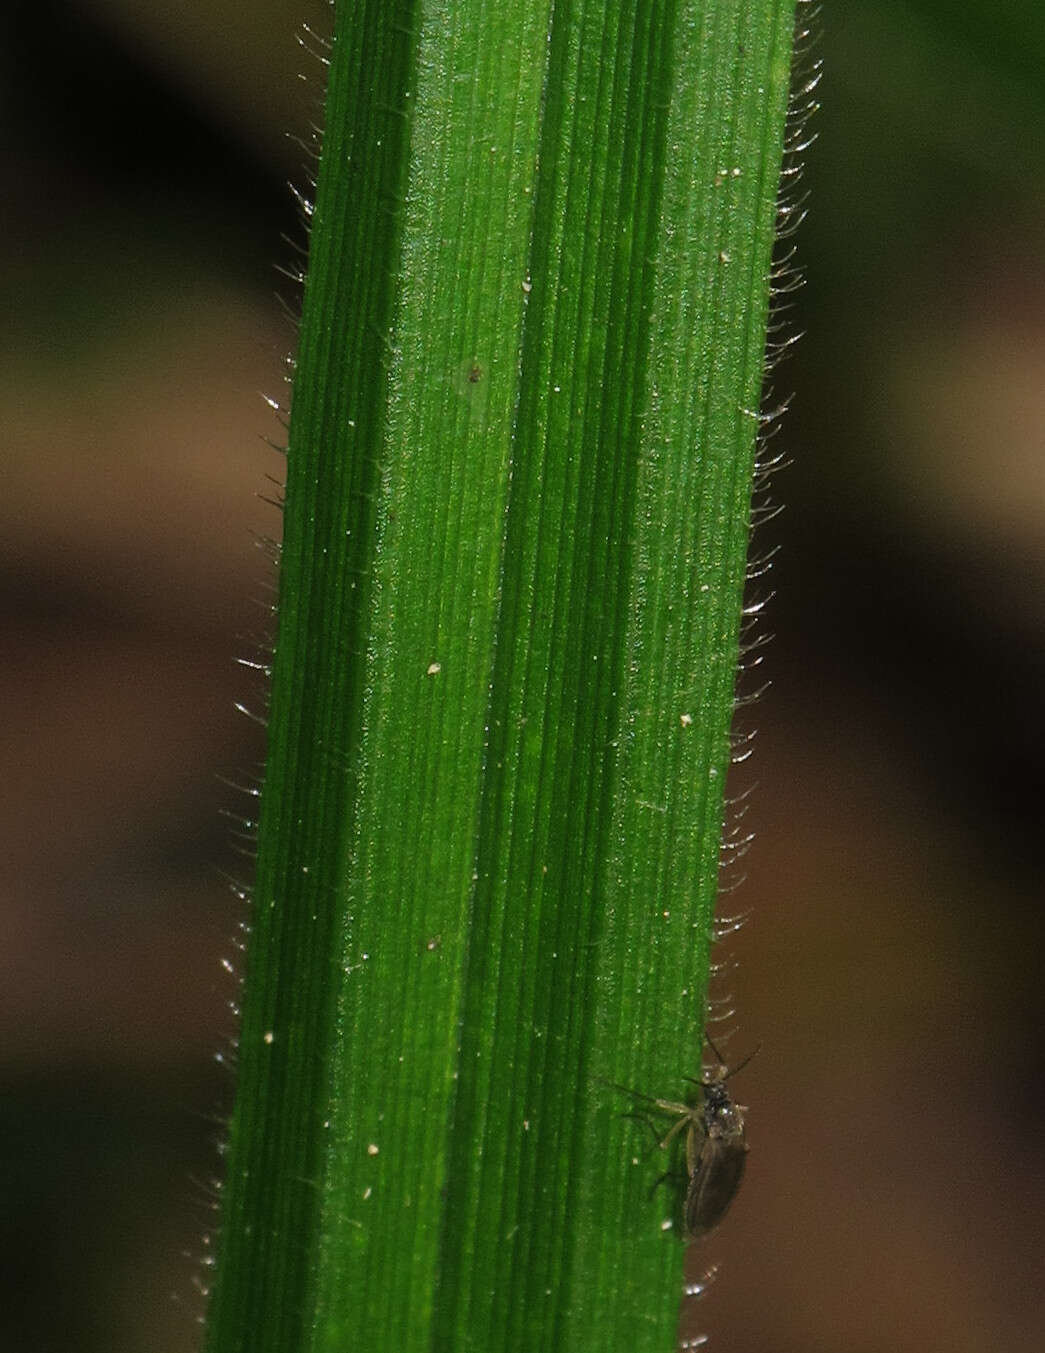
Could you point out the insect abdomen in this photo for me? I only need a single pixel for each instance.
(713, 1184)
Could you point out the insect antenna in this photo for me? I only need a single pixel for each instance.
(741, 1065)
(729, 1072)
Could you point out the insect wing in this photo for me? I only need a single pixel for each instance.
(713, 1184)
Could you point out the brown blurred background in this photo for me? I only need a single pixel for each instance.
(893, 965)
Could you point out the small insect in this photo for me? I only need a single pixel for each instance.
(716, 1148)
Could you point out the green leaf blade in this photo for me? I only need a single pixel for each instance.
(517, 515)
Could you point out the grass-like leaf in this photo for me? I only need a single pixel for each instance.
(517, 509)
